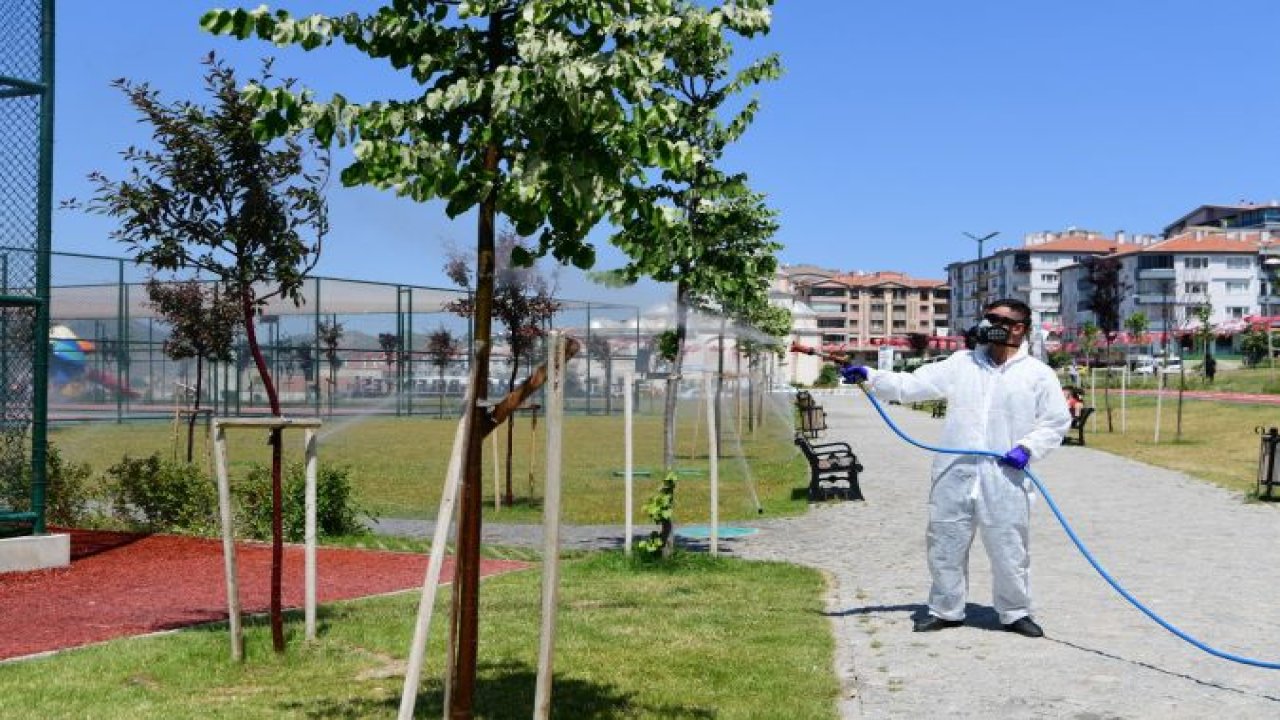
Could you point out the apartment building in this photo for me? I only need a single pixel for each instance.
(857, 311)
(1234, 272)
(1030, 273)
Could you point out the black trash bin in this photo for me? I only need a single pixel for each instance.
(1267, 470)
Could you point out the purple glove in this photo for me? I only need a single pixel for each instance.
(853, 374)
(1017, 458)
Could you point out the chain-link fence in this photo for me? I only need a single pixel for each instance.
(25, 126)
(353, 347)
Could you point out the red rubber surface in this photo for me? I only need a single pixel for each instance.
(121, 584)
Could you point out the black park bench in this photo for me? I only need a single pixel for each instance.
(1077, 425)
(833, 470)
(811, 419)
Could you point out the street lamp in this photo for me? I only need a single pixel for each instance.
(980, 296)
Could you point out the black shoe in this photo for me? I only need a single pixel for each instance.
(1025, 626)
(933, 622)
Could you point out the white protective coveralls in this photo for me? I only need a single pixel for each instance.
(989, 407)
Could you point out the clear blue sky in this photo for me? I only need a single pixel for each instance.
(897, 127)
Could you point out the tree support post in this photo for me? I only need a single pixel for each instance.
(220, 426)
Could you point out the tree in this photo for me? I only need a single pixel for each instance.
(1136, 325)
(330, 335)
(1103, 275)
(442, 348)
(390, 345)
(540, 112)
(523, 302)
(692, 227)
(599, 348)
(217, 197)
(202, 325)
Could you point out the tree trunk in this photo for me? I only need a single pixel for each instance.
(442, 389)
(673, 384)
(191, 420)
(1106, 393)
(277, 494)
(465, 611)
(608, 384)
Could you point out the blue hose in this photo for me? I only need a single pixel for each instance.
(1079, 545)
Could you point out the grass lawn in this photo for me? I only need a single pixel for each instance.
(699, 638)
(1243, 380)
(398, 464)
(1218, 441)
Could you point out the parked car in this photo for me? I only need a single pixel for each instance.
(1173, 365)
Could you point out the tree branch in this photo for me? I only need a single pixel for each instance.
(500, 412)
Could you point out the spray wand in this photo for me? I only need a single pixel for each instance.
(1062, 520)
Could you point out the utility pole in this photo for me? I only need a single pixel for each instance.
(981, 295)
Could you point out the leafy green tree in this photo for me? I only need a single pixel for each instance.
(442, 347)
(202, 325)
(543, 112)
(217, 197)
(523, 303)
(1089, 340)
(330, 334)
(1103, 275)
(599, 348)
(1136, 325)
(699, 228)
(389, 343)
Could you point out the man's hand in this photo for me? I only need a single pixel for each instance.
(1017, 458)
(853, 374)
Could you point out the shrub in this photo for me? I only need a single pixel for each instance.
(67, 494)
(659, 510)
(159, 494)
(827, 377)
(336, 511)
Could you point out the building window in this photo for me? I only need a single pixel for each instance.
(877, 326)
(1237, 313)
(899, 324)
(1239, 263)
(924, 295)
(1049, 278)
(1195, 263)
(877, 307)
(828, 307)
(899, 294)
(1195, 288)
(826, 292)
(829, 323)
(833, 338)
(1158, 262)
(1236, 287)
(1050, 298)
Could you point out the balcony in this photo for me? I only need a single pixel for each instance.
(1158, 274)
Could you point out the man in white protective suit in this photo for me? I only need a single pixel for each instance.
(999, 399)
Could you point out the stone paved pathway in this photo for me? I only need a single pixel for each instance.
(1198, 555)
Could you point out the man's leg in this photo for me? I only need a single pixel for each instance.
(1008, 547)
(948, 552)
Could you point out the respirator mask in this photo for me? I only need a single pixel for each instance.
(993, 330)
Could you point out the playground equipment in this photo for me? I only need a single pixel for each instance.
(220, 426)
